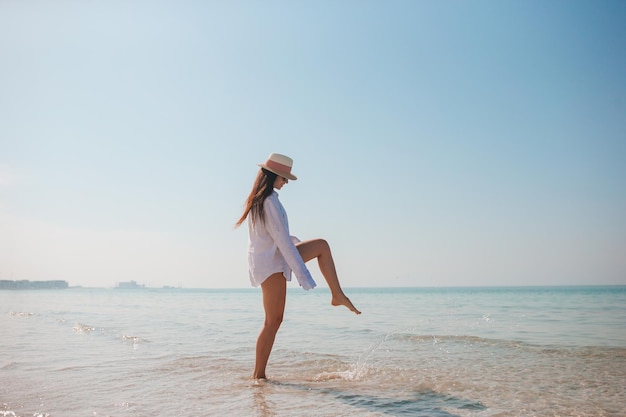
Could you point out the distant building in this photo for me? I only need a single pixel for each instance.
(130, 285)
(33, 285)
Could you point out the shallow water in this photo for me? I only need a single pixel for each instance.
(413, 352)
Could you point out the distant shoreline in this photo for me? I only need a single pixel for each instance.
(33, 285)
(47, 285)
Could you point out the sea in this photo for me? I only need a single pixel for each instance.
(437, 352)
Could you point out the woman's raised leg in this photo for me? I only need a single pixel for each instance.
(274, 295)
(319, 248)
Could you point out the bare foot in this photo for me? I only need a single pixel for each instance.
(344, 301)
(259, 382)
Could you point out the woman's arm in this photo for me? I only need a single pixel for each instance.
(277, 226)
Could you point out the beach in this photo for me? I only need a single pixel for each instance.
(524, 351)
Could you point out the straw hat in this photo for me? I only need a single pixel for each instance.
(279, 165)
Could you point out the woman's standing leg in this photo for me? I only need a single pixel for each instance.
(319, 248)
(274, 295)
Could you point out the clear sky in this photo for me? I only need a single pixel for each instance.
(437, 143)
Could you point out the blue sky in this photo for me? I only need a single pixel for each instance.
(437, 143)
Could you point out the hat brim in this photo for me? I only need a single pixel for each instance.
(287, 175)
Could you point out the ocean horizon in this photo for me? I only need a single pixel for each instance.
(415, 351)
(292, 287)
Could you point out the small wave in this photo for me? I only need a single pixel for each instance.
(20, 314)
(454, 339)
(332, 376)
(9, 365)
(83, 328)
(134, 340)
(190, 364)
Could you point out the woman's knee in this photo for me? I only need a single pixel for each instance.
(317, 244)
(324, 247)
(274, 292)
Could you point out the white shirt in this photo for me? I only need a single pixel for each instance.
(271, 249)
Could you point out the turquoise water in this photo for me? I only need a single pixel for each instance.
(413, 352)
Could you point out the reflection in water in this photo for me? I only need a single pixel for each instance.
(263, 407)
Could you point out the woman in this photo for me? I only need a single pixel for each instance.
(273, 254)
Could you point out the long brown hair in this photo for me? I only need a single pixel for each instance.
(262, 188)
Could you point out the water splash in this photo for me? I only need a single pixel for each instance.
(359, 369)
